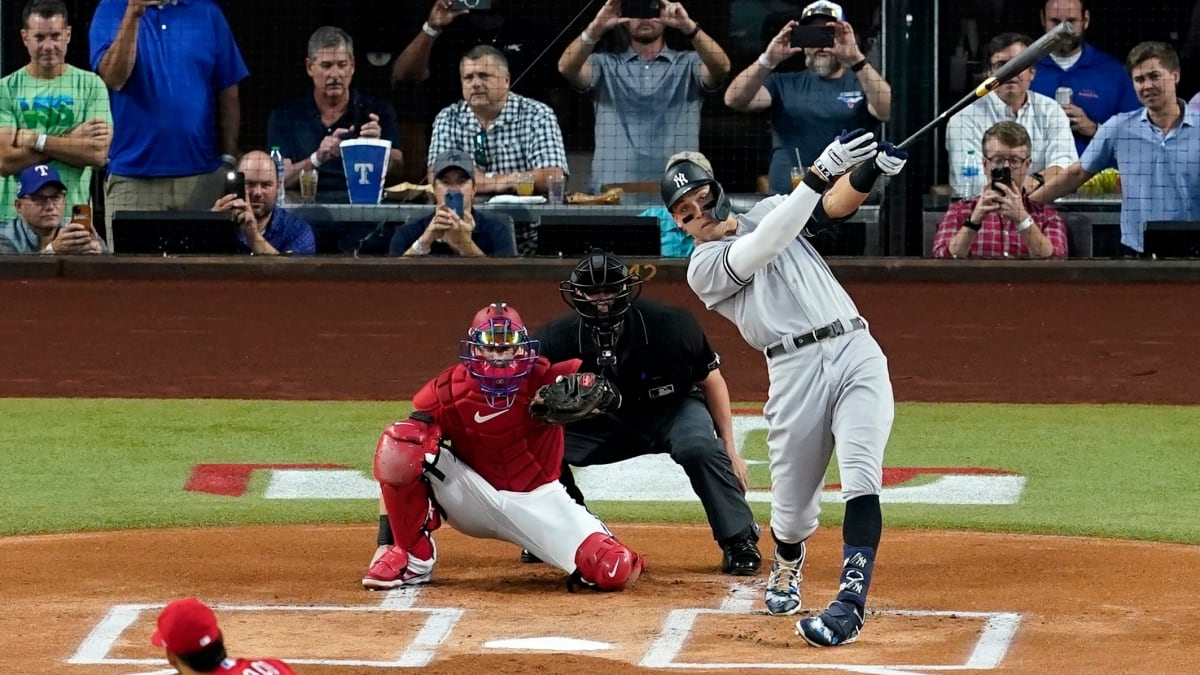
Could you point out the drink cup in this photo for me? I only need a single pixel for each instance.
(555, 185)
(1063, 95)
(797, 176)
(365, 161)
(308, 185)
(525, 184)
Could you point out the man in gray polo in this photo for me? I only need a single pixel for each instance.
(647, 97)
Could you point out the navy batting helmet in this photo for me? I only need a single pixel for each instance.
(601, 289)
(683, 177)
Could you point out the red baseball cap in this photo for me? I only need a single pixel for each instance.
(185, 626)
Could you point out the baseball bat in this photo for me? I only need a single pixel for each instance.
(1029, 56)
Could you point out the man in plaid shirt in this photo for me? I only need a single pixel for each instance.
(506, 133)
(1002, 222)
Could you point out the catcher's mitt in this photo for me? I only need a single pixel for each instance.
(573, 397)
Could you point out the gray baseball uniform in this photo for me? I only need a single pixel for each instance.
(775, 287)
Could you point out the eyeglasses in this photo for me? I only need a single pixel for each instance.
(46, 200)
(1013, 162)
(481, 151)
(999, 64)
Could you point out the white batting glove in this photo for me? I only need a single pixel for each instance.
(890, 159)
(844, 152)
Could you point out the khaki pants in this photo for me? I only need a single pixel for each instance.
(177, 193)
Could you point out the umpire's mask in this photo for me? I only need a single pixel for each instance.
(683, 177)
(601, 289)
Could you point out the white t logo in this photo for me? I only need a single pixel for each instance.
(364, 169)
(42, 170)
(680, 180)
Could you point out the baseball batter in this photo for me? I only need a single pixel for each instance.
(498, 476)
(829, 378)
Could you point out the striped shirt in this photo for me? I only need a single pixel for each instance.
(525, 136)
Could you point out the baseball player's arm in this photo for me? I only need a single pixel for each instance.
(716, 399)
(752, 252)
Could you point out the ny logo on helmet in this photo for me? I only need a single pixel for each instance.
(680, 179)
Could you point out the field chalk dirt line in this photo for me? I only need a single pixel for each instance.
(999, 629)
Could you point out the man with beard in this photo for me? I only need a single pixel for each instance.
(1155, 146)
(1051, 142)
(1097, 82)
(264, 228)
(310, 129)
(647, 96)
(839, 89)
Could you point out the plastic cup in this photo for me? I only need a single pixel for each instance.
(365, 161)
(797, 176)
(525, 184)
(308, 185)
(555, 186)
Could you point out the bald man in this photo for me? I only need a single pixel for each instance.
(263, 227)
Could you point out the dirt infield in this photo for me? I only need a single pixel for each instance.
(79, 603)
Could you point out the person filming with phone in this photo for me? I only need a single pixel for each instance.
(1002, 222)
(251, 194)
(839, 89)
(38, 226)
(454, 228)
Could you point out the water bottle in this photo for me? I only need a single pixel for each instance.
(277, 157)
(972, 173)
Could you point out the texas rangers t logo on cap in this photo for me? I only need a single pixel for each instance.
(680, 179)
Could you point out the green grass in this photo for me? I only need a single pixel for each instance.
(1113, 471)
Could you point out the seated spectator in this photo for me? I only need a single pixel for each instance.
(675, 242)
(1002, 222)
(1099, 85)
(55, 113)
(189, 634)
(507, 133)
(38, 226)
(1155, 147)
(1049, 129)
(264, 228)
(839, 89)
(444, 232)
(647, 96)
(310, 129)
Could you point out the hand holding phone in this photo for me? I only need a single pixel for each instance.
(1001, 174)
(82, 214)
(813, 36)
(235, 184)
(455, 201)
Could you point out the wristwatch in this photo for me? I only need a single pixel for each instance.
(419, 248)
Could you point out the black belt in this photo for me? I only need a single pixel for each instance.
(816, 335)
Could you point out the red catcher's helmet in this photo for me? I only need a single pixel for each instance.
(498, 353)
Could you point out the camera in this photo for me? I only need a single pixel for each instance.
(1001, 174)
(235, 184)
(640, 9)
(458, 5)
(812, 36)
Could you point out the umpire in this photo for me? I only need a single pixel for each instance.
(674, 397)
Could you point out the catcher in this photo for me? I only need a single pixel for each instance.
(482, 450)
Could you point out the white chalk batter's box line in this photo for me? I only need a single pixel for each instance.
(997, 635)
(417, 653)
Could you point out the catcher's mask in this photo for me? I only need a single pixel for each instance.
(683, 177)
(498, 353)
(601, 290)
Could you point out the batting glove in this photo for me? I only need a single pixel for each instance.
(844, 152)
(890, 159)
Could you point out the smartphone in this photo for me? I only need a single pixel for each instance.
(455, 201)
(1001, 174)
(458, 5)
(812, 36)
(235, 184)
(641, 9)
(82, 214)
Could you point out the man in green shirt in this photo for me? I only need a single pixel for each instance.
(50, 112)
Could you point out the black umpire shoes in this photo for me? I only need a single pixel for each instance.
(741, 558)
(529, 558)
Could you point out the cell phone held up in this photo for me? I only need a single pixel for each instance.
(82, 214)
(455, 201)
(235, 184)
(813, 36)
(1001, 174)
(474, 5)
(641, 9)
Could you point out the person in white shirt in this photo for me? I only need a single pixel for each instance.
(1049, 129)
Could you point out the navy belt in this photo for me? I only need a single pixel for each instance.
(816, 335)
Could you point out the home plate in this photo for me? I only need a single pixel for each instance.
(548, 644)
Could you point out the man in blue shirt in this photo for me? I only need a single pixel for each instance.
(173, 71)
(1155, 148)
(447, 231)
(263, 227)
(38, 226)
(1099, 86)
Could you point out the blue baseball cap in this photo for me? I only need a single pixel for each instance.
(37, 177)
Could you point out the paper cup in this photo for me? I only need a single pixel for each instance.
(365, 161)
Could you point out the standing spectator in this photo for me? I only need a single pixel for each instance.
(310, 129)
(38, 226)
(188, 632)
(839, 89)
(647, 97)
(1155, 146)
(264, 228)
(507, 133)
(1002, 222)
(1100, 87)
(444, 232)
(674, 397)
(55, 113)
(1049, 129)
(173, 70)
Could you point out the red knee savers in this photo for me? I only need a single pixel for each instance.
(607, 563)
(402, 451)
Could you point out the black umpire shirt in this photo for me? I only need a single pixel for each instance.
(662, 352)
